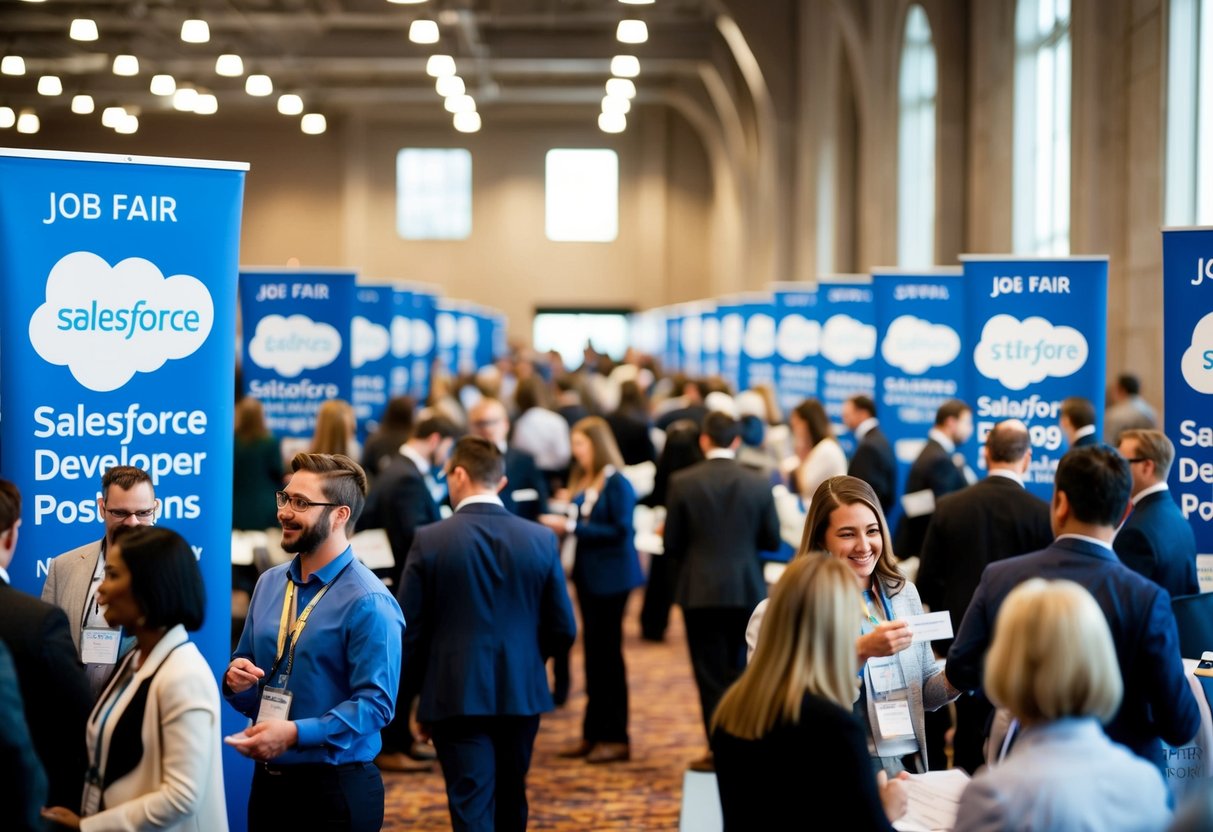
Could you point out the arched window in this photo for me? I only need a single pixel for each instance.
(1189, 184)
(1041, 172)
(916, 144)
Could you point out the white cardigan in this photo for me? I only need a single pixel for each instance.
(178, 783)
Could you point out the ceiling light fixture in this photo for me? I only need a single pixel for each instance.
(637, 2)
(612, 122)
(83, 28)
(163, 85)
(28, 122)
(439, 66)
(7, 118)
(468, 122)
(459, 104)
(195, 30)
(290, 104)
(449, 85)
(184, 99)
(622, 87)
(128, 125)
(207, 104)
(12, 65)
(615, 104)
(313, 124)
(625, 66)
(229, 66)
(126, 65)
(112, 116)
(82, 104)
(406, 2)
(632, 31)
(259, 85)
(50, 85)
(423, 30)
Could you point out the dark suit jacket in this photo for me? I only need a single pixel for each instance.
(399, 503)
(1088, 441)
(522, 475)
(632, 437)
(934, 469)
(485, 604)
(606, 562)
(694, 412)
(720, 515)
(874, 463)
(971, 528)
(23, 786)
(1157, 700)
(1157, 542)
(53, 687)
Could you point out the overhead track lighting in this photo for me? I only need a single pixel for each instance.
(195, 30)
(207, 104)
(406, 2)
(162, 85)
(621, 87)
(468, 122)
(83, 28)
(128, 125)
(7, 118)
(632, 31)
(313, 124)
(259, 85)
(12, 65)
(184, 99)
(612, 122)
(637, 2)
(50, 85)
(625, 66)
(615, 104)
(449, 85)
(290, 104)
(28, 122)
(459, 104)
(423, 30)
(82, 104)
(126, 65)
(112, 116)
(439, 66)
(229, 66)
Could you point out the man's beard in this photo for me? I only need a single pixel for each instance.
(311, 539)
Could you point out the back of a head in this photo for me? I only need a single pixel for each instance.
(721, 429)
(863, 402)
(1155, 446)
(250, 420)
(435, 424)
(681, 449)
(480, 458)
(531, 392)
(398, 415)
(334, 428)
(1129, 384)
(631, 398)
(1078, 411)
(1008, 441)
(1097, 484)
(165, 579)
(951, 409)
(10, 505)
(342, 480)
(1052, 655)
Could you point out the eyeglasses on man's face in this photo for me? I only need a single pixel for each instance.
(298, 503)
(121, 514)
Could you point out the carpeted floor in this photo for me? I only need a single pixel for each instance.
(643, 794)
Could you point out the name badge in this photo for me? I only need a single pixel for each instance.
(894, 719)
(885, 675)
(275, 704)
(90, 802)
(100, 645)
(524, 495)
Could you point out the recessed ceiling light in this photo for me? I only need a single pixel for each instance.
(12, 65)
(612, 122)
(622, 87)
(313, 124)
(439, 66)
(449, 85)
(258, 85)
(290, 104)
(50, 85)
(126, 65)
(82, 104)
(229, 66)
(112, 116)
(423, 31)
(28, 122)
(206, 105)
(7, 118)
(615, 104)
(625, 66)
(632, 31)
(195, 31)
(184, 99)
(83, 28)
(459, 104)
(468, 122)
(638, 2)
(162, 85)
(128, 125)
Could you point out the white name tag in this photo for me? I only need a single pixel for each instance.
(894, 719)
(275, 704)
(100, 645)
(885, 675)
(524, 495)
(919, 503)
(930, 626)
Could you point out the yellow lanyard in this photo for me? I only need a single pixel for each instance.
(288, 610)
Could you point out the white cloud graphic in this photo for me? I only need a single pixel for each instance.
(1198, 377)
(444, 323)
(759, 339)
(907, 450)
(798, 338)
(711, 335)
(369, 341)
(401, 336)
(732, 330)
(845, 340)
(915, 346)
(291, 345)
(467, 332)
(1017, 354)
(423, 337)
(691, 334)
(106, 324)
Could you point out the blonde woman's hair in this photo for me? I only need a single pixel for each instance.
(335, 427)
(1052, 655)
(606, 451)
(847, 491)
(806, 645)
(250, 420)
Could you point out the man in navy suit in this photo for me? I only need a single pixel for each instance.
(1077, 421)
(1156, 541)
(1090, 492)
(485, 600)
(939, 469)
(873, 461)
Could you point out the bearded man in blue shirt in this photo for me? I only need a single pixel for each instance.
(318, 663)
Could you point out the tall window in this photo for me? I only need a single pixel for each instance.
(1189, 196)
(916, 144)
(582, 195)
(1041, 192)
(434, 193)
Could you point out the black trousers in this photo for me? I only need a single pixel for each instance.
(324, 797)
(484, 762)
(606, 681)
(716, 642)
(658, 598)
(973, 715)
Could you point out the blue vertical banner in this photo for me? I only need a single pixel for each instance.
(500, 335)
(458, 336)
(758, 359)
(691, 338)
(921, 358)
(424, 346)
(371, 355)
(400, 328)
(1187, 265)
(1039, 328)
(848, 346)
(673, 344)
(709, 339)
(797, 343)
(486, 331)
(730, 313)
(118, 334)
(296, 343)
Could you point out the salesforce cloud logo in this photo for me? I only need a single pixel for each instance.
(106, 324)
(711, 335)
(759, 339)
(845, 340)
(1018, 353)
(444, 323)
(401, 336)
(467, 333)
(732, 330)
(691, 334)
(288, 346)
(423, 337)
(1198, 357)
(798, 338)
(915, 346)
(368, 341)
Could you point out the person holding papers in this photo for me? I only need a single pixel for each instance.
(1053, 665)
(901, 680)
(785, 739)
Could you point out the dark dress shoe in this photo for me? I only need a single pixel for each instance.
(398, 762)
(609, 752)
(581, 749)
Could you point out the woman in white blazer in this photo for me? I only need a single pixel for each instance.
(154, 736)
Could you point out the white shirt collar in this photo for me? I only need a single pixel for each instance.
(4, 575)
(862, 429)
(721, 453)
(490, 499)
(1146, 492)
(1095, 540)
(423, 464)
(942, 438)
(1089, 430)
(1007, 473)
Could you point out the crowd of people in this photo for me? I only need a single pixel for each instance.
(510, 495)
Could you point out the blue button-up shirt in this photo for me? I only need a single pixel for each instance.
(347, 664)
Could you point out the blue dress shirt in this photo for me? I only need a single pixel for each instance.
(347, 664)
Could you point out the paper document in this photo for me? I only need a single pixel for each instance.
(918, 503)
(373, 549)
(930, 626)
(934, 799)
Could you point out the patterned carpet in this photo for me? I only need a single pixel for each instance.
(643, 794)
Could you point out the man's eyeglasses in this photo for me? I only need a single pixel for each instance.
(296, 502)
(123, 514)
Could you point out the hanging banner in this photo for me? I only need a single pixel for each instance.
(709, 340)
(296, 343)
(1039, 333)
(758, 358)
(691, 338)
(118, 333)
(922, 356)
(673, 344)
(732, 330)
(400, 330)
(848, 346)
(423, 350)
(797, 344)
(1187, 265)
(371, 355)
